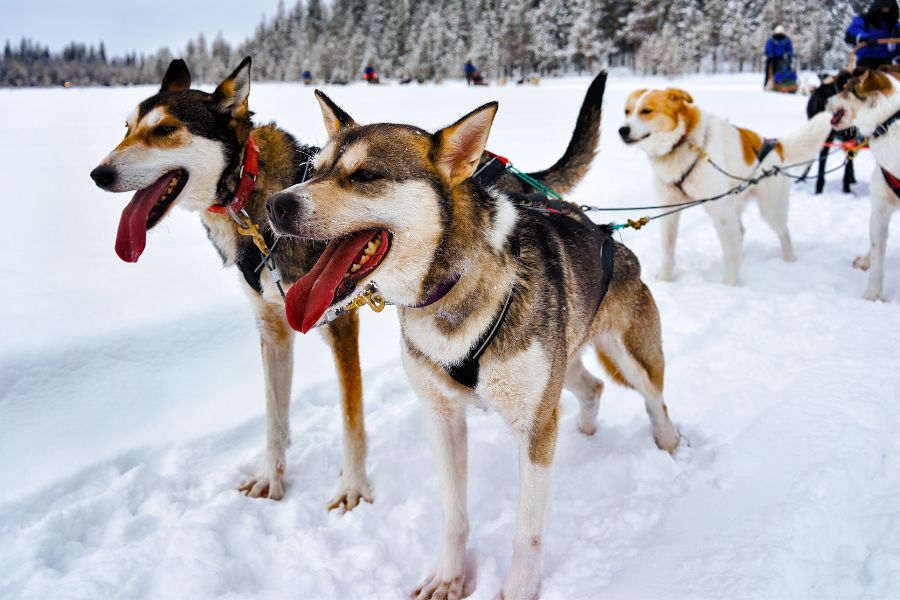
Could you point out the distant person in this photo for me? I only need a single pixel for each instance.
(370, 75)
(307, 77)
(470, 70)
(478, 79)
(779, 53)
(879, 23)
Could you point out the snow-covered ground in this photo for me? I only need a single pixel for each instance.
(131, 396)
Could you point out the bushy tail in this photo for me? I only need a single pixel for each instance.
(576, 160)
(803, 146)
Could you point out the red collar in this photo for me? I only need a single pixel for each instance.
(249, 170)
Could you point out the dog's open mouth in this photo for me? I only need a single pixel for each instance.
(344, 263)
(838, 116)
(630, 140)
(146, 209)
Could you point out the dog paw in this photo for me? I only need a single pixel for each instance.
(350, 493)
(861, 263)
(665, 275)
(667, 443)
(268, 484)
(789, 257)
(437, 587)
(872, 296)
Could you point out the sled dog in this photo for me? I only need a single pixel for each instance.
(870, 101)
(684, 143)
(496, 303)
(193, 149)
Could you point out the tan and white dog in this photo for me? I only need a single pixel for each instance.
(682, 141)
(867, 102)
(473, 271)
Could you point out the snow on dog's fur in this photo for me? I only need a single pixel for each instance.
(674, 133)
(866, 102)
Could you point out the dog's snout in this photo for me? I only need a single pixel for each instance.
(282, 208)
(104, 176)
(624, 131)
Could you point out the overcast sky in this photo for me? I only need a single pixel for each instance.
(125, 25)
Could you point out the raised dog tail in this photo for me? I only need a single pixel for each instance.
(803, 145)
(575, 161)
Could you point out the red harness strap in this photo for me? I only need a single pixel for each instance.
(245, 186)
(892, 181)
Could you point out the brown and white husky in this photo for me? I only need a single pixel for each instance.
(496, 304)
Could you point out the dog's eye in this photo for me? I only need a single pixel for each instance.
(163, 130)
(364, 176)
(646, 111)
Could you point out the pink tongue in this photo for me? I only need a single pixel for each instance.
(310, 297)
(132, 236)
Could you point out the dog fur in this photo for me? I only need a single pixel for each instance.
(417, 186)
(865, 102)
(203, 135)
(673, 131)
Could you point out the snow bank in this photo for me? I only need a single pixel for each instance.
(131, 399)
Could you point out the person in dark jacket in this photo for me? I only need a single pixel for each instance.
(779, 53)
(470, 69)
(879, 23)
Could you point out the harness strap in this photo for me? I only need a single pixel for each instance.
(883, 128)
(249, 171)
(768, 145)
(466, 372)
(892, 181)
(488, 173)
(250, 258)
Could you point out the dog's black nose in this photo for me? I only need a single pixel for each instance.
(282, 208)
(624, 131)
(104, 176)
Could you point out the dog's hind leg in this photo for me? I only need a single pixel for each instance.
(773, 207)
(277, 342)
(343, 337)
(588, 390)
(823, 162)
(634, 358)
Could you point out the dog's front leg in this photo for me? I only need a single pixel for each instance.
(879, 223)
(343, 336)
(669, 233)
(446, 422)
(277, 341)
(536, 450)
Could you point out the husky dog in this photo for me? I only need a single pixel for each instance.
(870, 102)
(189, 148)
(496, 303)
(683, 142)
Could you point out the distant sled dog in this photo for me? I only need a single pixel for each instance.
(677, 136)
(197, 150)
(496, 304)
(870, 101)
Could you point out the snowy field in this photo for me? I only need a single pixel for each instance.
(131, 396)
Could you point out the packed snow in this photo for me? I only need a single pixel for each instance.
(131, 396)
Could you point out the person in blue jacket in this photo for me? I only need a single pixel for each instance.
(779, 53)
(880, 22)
(469, 69)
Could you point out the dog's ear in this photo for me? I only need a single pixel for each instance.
(459, 146)
(231, 95)
(177, 77)
(874, 82)
(678, 95)
(334, 116)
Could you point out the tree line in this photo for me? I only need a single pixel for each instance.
(431, 39)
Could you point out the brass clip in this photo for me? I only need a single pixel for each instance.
(252, 230)
(370, 297)
(639, 223)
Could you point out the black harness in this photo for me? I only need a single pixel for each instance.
(466, 372)
(883, 128)
(250, 260)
